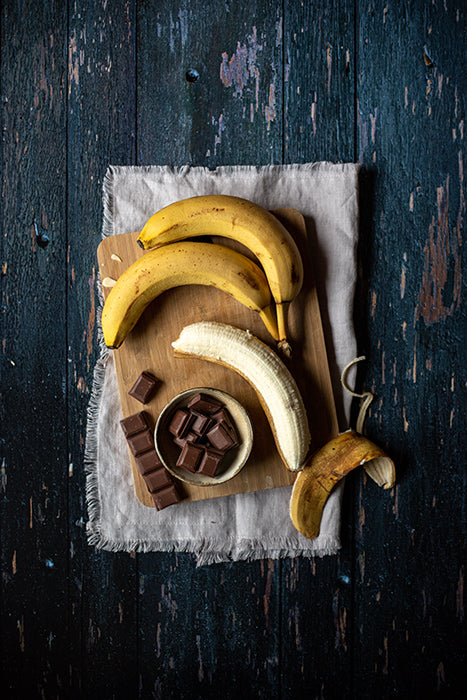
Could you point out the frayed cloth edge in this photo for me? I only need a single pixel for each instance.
(208, 552)
(323, 167)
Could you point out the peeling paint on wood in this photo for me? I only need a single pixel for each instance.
(442, 254)
(83, 86)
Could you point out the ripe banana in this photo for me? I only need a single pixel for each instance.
(325, 468)
(180, 264)
(264, 370)
(244, 221)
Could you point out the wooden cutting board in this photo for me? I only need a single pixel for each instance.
(148, 347)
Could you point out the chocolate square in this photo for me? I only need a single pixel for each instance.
(141, 442)
(200, 423)
(135, 423)
(158, 480)
(204, 404)
(166, 497)
(220, 438)
(224, 417)
(148, 461)
(180, 423)
(144, 387)
(189, 457)
(209, 463)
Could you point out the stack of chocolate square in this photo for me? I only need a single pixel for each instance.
(159, 482)
(204, 432)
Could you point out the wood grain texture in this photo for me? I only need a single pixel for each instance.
(317, 622)
(101, 130)
(34, 522)
(148, 348)
(409, 556)
(233, 113)
(88, 83)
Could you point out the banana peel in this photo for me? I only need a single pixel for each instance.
(326, 467)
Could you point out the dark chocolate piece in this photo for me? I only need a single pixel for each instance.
(141, 442)
(201, 424)
(144, 387)
(220, 438)
(209, 463)
(189, 457)
(158, 480)
(148, 461)
(135, 423)
(204, 404)
(166, 497)
(180, 423)
(223, 417)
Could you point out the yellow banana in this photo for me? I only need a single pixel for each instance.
(243, 221)
(180, 264)
(326, 467)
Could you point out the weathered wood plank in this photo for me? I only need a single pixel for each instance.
(33, 355)
(101, 130)
(411, 91)
(233, 112)
(319, 70)
(201, 626)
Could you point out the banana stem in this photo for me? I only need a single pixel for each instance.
(282, 311)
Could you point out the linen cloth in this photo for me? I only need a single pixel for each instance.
(244, 526)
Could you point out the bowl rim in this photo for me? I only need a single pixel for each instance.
(186, 476)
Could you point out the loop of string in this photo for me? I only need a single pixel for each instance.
(367, 396)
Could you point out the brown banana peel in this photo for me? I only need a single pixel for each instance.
(326, 467)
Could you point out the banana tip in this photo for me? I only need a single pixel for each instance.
(284, 348)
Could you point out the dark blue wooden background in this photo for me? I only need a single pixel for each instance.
(92, 82)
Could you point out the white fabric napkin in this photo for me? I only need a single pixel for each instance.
(250, 525)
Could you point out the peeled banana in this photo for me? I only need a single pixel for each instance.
(243, 221)
(264, 370)
(325, 468)
(180, 264)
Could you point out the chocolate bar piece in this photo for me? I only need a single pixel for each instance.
(189, 457)
(166, 497)
(180, 423)
(144, 387)
(204, 404)
(141, 442)
(135, 423)
(201, 424)
(224, 418)
(220, 438)
(148, 461)
(157, 480)
(209, 463)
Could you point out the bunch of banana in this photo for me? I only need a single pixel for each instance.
(245, 222)
(180, 264)
(280, 398)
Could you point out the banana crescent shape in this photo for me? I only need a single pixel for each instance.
(264, 370)
(180, 264)
(326, 467)
(243, 221)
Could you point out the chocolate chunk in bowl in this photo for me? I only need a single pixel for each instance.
(222, 464)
